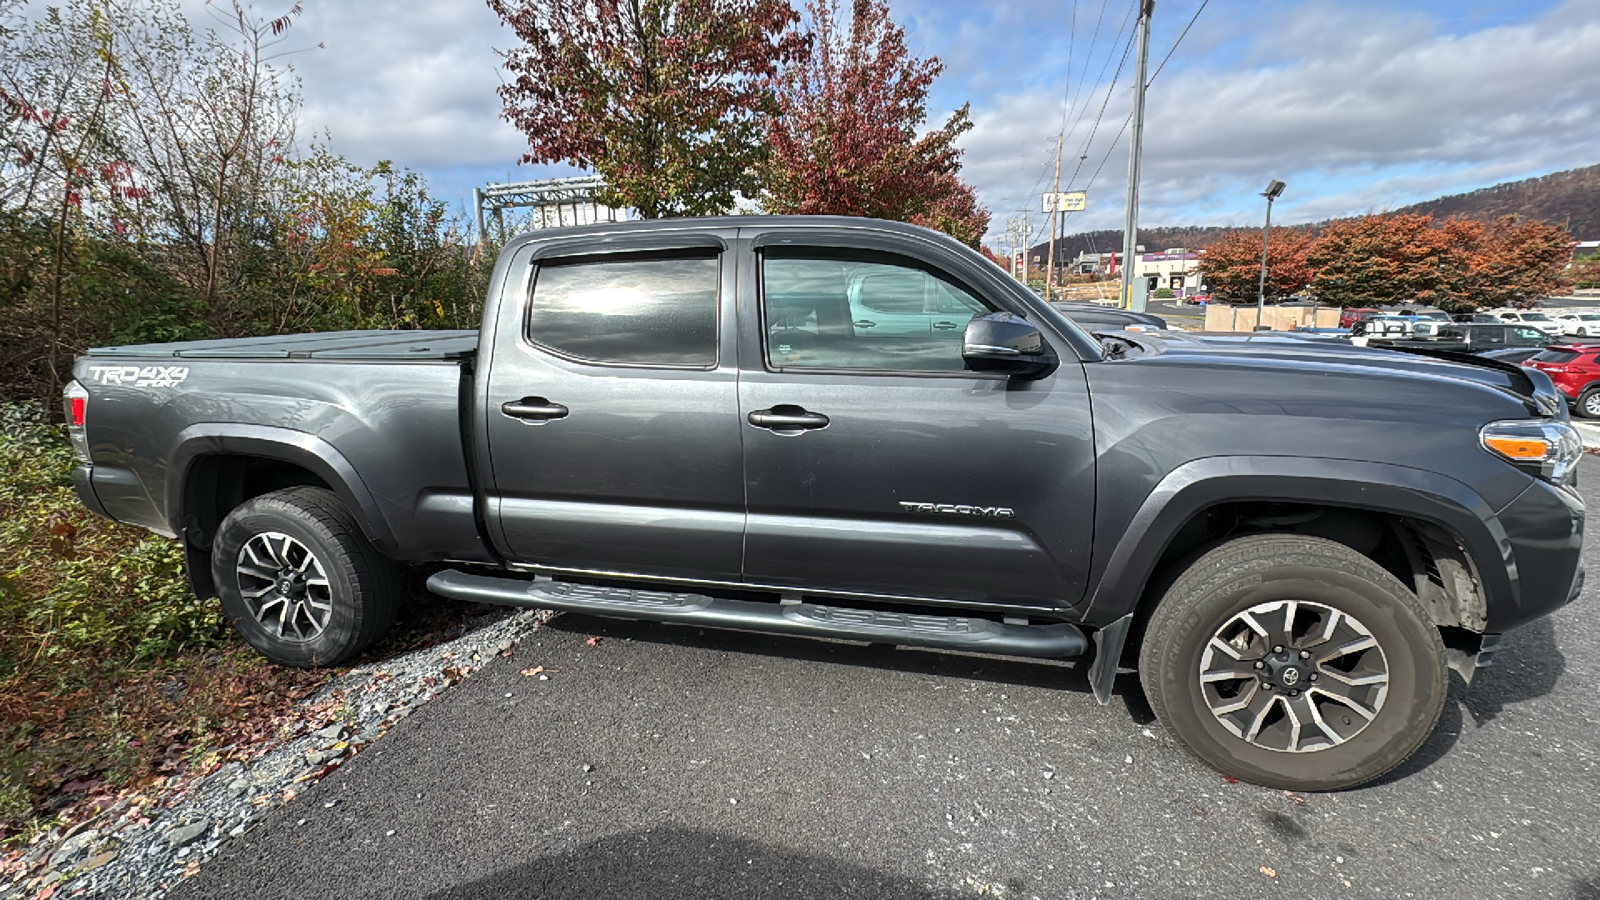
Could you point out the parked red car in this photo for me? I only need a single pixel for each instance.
(1576, 371)
(1354, 314)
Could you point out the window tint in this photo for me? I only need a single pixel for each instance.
(1554, 356)
(825, 313)
(640, 311)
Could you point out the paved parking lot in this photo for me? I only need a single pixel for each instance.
(668, 762)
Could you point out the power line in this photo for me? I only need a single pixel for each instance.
(1084, 152)
(1101, 77)
(1175, 43)
(1129, 120)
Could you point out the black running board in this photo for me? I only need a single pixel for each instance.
(1054, 641)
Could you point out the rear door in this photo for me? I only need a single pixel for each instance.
(611, 409)
(879, 465)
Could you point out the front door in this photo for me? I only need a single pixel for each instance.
(877, 464)
(611, 415)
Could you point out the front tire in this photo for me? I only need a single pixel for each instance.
(299, 581)
(1294, 662)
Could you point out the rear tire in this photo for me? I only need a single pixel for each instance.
(1588, 405)
(299, 581)
(1368, 678)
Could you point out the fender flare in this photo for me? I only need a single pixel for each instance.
(287, 445)
(1381, 487)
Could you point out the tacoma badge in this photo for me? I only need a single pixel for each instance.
(959, 509)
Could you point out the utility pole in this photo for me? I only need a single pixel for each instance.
(1050, 264)
(1130, 221)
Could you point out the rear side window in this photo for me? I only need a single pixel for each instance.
(1554, 356)
(646, 311)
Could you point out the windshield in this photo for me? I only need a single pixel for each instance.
(1589, 317)
(1535, 317)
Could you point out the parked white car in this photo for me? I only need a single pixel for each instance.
(1539, 320)
(1582, 324)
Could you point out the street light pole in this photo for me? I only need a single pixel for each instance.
(1274, 188)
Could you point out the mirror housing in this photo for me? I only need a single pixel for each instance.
(1006, 343)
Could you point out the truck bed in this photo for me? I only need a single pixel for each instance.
(364, 346)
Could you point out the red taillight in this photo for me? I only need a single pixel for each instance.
(76, 407)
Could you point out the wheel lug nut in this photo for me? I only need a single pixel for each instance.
(1266, 686)
(1305, 654)
(1260, 664)
(1313, 676)
(1278, 649)
(1294, 693)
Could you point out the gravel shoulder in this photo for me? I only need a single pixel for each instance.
(146, 844)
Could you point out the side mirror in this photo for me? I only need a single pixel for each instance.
(1002, 342)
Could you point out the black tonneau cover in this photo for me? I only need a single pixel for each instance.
(373, 346)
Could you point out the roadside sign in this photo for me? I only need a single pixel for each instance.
(1065, 201)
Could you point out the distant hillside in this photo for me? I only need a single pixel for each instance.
(1570, 198)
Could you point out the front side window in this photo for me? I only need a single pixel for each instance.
(646, 311)
(840, 313)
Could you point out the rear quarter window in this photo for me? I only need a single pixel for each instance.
(643, 311)
(1553, 356)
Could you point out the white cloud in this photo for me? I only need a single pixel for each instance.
(1359, 118)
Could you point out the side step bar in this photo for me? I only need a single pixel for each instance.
(1054, 641)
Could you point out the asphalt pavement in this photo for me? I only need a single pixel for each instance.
(671, 762)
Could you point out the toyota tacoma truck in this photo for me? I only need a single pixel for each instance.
(861, 430)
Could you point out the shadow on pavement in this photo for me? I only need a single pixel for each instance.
(1527, 668)
(685, 863)
(1068, 675)
(1050, 674)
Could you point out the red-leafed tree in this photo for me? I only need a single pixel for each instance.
(845, 141)
(1457, 265)
(1517, 262)
(1232, 266)
(1376, 260)
(666, 99)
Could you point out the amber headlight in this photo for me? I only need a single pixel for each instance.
(1549, 449)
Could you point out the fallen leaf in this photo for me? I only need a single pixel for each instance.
(593, 642)
(1230, 779)
(1270, 873)
(1294, 797)
(529, 673)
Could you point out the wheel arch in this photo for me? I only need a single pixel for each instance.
(216, 467)
(1167, 518)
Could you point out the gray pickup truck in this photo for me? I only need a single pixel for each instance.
(687, 421)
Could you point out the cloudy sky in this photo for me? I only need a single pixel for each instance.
(1359, 105)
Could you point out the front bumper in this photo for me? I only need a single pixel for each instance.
(1544, 549)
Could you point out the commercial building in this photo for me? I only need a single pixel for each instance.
(1176, 268)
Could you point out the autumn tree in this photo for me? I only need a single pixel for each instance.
(665, 99)
(1232, 266)
(1516, 262)
(1457, 265)
(1586, 270)
(846, 140)
(1375, 260)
